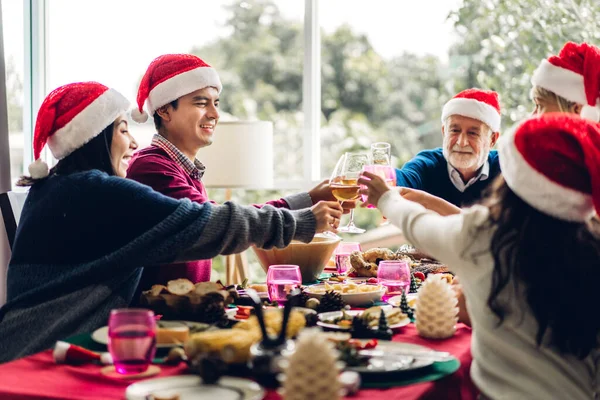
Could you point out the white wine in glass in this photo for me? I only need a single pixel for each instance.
(344, 185)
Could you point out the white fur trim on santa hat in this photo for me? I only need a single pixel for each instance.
(180, 85)
(539, 191)
(472, 108)
(560, 81)
(88, 123)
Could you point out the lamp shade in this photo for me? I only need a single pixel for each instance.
(241, 156)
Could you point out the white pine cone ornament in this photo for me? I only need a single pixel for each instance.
(436, 308)
(312, 371)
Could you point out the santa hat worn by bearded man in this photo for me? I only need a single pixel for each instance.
(479, 104)
(169, 77)
(71, 116)
(574, 75)
(552, 162)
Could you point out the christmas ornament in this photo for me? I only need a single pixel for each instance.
(383, 330)
(331, 301)
(436, 309)
(413, 284)
(311, 372)
(67, 353)
(404, 307)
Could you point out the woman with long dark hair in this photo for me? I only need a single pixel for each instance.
(86, 233)
(528, 261)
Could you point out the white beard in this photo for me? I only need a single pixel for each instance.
(464, 161)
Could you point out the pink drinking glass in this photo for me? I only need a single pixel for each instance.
(395, 276)
(131, 339)
(281, 280)
(342, 255)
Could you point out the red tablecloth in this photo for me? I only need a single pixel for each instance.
(38, 377)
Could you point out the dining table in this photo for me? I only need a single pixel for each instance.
(39, 377)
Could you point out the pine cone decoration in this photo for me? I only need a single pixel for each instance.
(212, 308)
(302, 298)
(436, 308)
(360, 329)
(311, 319)
(331, 301)
(312, 370)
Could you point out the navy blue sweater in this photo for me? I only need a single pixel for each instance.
(83, 239)
(428, 171)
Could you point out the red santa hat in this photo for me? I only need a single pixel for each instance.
(482, 105)
(71, 116)
(575, 75)
(552, 162)
(67, 353)
(169, 77)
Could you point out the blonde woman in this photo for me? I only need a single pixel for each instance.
(569, 82)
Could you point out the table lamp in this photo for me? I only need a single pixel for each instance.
(241, 157)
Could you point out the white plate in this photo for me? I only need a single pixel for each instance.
(353, 299)
(190, 387)
(323, 317)
(395, 301)
(232, 312)
(388, 364)
(100, 335)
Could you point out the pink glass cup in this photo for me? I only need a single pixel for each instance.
(131, 339)
(386, 172)
(281, 280)
(395, 276)
(342, 255)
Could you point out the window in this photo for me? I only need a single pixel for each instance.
(13, 32)
(256, 46)
(381, 80)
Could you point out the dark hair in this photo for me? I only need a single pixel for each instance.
(553, 264)
(158, 119)
(95, 154)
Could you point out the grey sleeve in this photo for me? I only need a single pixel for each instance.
(299, 201)
(233, 228)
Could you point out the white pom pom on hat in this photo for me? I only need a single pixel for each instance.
(139, 116)
(38, 169)
(591, 113)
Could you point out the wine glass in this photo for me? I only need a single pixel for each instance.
(395, 276)
(131, 339)
(342, 255)
(381, 164)
(344, 185)
(381, 153)
(281, 280)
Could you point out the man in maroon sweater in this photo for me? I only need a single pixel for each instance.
(181, 92)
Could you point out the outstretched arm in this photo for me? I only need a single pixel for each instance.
(233, 228)
(429, 201)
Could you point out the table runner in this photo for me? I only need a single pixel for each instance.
(38, 377)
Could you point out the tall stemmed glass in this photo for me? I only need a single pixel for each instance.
(344, 184)
(381, 164)
(381, 153)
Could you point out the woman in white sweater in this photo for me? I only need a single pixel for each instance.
(527, 260)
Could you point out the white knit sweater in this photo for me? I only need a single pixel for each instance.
(507, 363)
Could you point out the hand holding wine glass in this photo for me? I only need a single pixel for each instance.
(374, 186)
(327, 215)
(344, 184)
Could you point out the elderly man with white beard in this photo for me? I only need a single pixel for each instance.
(462, 168)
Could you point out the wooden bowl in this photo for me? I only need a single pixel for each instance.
(310, 257)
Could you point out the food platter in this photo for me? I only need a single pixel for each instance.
(326, 319)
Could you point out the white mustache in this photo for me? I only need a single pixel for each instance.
(459, 149)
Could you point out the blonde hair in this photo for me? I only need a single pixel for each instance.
(564, 105)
